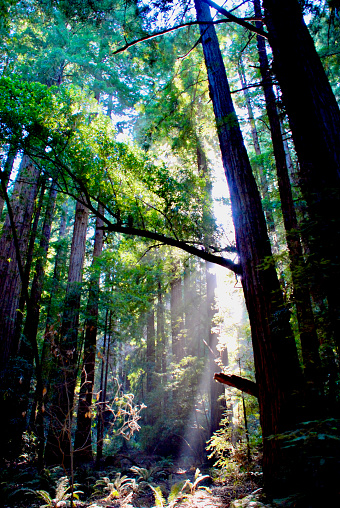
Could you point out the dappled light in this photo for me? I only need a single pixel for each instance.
(169, 253)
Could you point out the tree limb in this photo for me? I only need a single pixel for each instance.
(245, 385)
(235, 19)
(168, 30)
(166, 240)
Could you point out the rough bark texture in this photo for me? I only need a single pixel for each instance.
(11, 280)
(6, 173)
(59, 446)
(32, 320)
(256, 142)
(314, 119)
(308, 336)
(22, 205)
(83, 441)
(245, 385)
(273, 343)
(42, 395)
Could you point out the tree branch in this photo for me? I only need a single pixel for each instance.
(168, 30)
(245, 385)
(165, 240)
(235, 19)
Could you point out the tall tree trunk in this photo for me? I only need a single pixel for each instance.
(59, 445)
(6, 173)
(160, 349)
(308, 335)
(314, 119)
(22, 207)
(13, 250)
(27, 351)
(48, 351)
(273, 342)
(150, 365)
(176, 305)
(32, 320)
(256, 142)
(100, 407)
(83, 441)
(150, 350)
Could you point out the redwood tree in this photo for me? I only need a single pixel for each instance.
(273, 342)
(83, 441)
(59, 445)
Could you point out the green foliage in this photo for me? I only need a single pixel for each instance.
(179, 490)
(191, 487)
(116, 488)
(231, 455)
(63, 492)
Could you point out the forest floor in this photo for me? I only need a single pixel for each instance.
(130, 481)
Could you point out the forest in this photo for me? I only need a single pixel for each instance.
(169, 253)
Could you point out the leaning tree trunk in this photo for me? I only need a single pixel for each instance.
(273, 343)
(83, 441)
(59, 446)
(314, 119)
(308, 336)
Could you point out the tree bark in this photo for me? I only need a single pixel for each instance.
(256, 142)
(314, 119)
(47, 361)
(13, 250)
(59, 445)
(308, 335)
(100, 406)
(243, 384)
(273, 342)
(83, 441)
(6, 173)
(22, 206)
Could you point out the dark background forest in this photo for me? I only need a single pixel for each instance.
(169, 251)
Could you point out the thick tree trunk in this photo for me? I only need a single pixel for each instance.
(47, 361)
(22, 207)
(59, 445)
(13, 249)
(6, 173)
(314, 119)
(256, 142)
(273, 343)
(308, 336)
(32, 320)
(27, 351)
(83, 441)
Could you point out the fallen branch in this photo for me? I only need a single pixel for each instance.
(245, 385)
